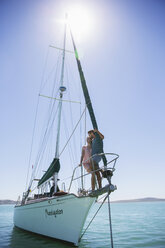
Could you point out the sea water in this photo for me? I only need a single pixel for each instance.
(134, 225)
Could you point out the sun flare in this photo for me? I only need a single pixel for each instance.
(80, 20)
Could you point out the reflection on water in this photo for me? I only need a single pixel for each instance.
(21, 238)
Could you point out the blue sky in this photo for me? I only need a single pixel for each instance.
(123, 61)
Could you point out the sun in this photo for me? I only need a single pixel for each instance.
(80, 20)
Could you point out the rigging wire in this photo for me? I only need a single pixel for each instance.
(45, 140)
(50, 74)
(85, 119)
(93, 217)
(72, 158)
(35, 118)
(72, 132)
(110, 223)
(71, 153)
(52, 102)
(80, 131)
(71, 112)
(82, 179)
(51, 108)
(47, 130)
(32, 141)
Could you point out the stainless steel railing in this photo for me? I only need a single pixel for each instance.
(112, 168)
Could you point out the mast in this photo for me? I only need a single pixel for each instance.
(55, 165)
(62, 89)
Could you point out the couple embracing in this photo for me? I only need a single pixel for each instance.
(94, 146)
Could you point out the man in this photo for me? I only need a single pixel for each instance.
(97, 147)
(52, 189)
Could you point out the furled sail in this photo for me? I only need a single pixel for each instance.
(53, 168)
(88, 101)
(84, 87)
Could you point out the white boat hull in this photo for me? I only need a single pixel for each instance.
(59, 217)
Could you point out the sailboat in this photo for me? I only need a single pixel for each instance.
(55, 213)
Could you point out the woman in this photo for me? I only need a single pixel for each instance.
(86, 155)
(87, 163)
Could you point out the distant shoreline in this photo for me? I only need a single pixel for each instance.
(146, 199)
(4, 202)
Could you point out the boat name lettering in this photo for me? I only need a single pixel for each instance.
(54, 212)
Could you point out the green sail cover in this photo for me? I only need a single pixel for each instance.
(54, 167)
(84, 87)
(88, 102)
